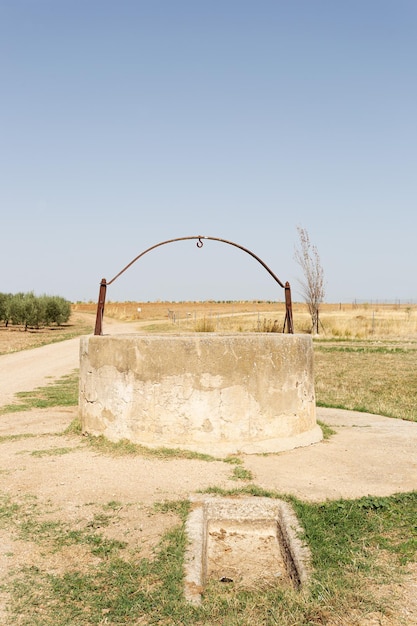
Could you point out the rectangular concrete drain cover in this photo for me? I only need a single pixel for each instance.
(249, 542)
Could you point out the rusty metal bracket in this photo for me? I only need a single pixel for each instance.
(288, 322)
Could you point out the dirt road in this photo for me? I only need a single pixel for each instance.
(28, 369)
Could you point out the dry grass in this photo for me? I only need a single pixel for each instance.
(366, 359)
(339, 321)
(369, 322)
(372, 378)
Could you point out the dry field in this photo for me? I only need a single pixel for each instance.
(15, 338)
(347, 321)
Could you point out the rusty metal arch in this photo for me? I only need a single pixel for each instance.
(288, 322)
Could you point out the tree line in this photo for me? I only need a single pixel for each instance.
(29, 310)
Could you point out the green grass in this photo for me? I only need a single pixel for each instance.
(344, 532)
(62, 392)
(52, 452)
(180, 507)
(26, 520)
(4, 438)
(124, 447)
(240, 473)
(246, 490)
(361, 349)
(327, 431)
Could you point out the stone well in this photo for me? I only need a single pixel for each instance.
(205, 392)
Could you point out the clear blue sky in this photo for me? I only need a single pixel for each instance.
(128, 122)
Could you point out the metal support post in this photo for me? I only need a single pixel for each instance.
(288, 322)
(100, 307)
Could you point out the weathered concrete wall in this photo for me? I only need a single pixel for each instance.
(210, 393)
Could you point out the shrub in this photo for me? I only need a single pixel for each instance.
(204, 326)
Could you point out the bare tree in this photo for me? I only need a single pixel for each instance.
(312, 283)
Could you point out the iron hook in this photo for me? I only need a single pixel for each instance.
(199, 243)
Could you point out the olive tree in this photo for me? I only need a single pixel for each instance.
(312, 283)
(33, 311)
(57, 310)
(5, 307)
